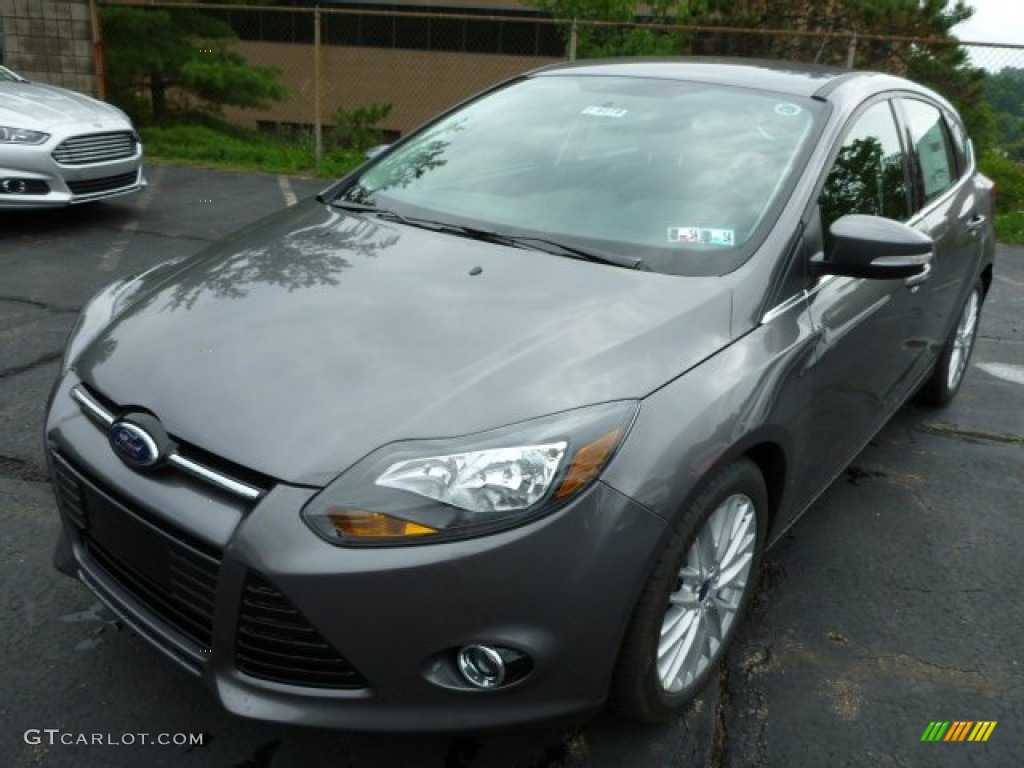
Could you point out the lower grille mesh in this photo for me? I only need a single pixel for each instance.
(105, 184)
(69, 494)
(190, 610)
(276, 642)
(169, 572)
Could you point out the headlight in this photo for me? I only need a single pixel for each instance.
(428, 490)
(10, 135)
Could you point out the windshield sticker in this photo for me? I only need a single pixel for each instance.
(684, 234)
(787, 110)
(718, 236)
(604, 111)
(703, 235)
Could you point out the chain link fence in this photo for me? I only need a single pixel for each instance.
(420, 62)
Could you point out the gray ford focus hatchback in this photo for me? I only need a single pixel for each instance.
(497, 427)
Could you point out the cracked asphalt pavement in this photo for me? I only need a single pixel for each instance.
(894, 602)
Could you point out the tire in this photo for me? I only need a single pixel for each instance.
(942, 386)
(685, 599)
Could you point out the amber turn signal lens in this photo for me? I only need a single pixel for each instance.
(587, 462)
(359, 524)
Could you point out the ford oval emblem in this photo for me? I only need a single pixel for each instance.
(133, 445)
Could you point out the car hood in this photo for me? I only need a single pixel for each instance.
(41, 107)
(301, 344)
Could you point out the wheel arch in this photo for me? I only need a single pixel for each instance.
(986, 278)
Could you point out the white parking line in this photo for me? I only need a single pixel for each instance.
(110, 259)
(1010, 280)
(1005, 371)
(286, 189)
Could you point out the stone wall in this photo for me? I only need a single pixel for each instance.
(49, 41)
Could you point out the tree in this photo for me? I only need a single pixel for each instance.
(183, 52)
(1004, 92)
(657, 37)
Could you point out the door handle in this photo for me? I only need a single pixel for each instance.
(914, 281)
(976, 222)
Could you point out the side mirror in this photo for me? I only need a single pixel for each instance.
(875, 248)
(373, 151)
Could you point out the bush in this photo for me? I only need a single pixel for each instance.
(356, 129)
(226, 146)
(1009, 179)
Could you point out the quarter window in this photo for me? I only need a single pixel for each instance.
(869, 174)
(932, 148)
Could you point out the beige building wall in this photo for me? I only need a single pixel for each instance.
(418, 84)
(49, 41)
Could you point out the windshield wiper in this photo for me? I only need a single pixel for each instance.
(349, 205)
(560, 249)
(515, 241)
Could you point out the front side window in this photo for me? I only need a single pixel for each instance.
(869, 175)
(684, 175)
(931, 147)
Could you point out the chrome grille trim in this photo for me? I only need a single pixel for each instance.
(96, 148)
(92, 409)
(202, 472)
(98, 413)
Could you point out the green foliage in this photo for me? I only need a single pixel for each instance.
(1009, 179)
(153, 55)
(1010, 228)
(1005, 94)
(356, 129)
(596, 41)
(214, 144)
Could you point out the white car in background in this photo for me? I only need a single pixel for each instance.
(58, 147)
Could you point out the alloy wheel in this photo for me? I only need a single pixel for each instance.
(963, 340)
(709, 593)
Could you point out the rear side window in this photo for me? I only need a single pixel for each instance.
(869, 173)
(932, 148)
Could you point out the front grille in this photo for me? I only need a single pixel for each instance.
(186, 601)
(95, 148)
(106, 184)
(68, 490)
(275, 642)
(170, 572)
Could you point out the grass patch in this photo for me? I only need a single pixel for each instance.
(234, 148)
(1010, 228)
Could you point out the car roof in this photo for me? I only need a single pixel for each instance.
(798, 79)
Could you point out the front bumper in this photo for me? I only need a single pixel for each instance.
(50, 184)
(559, 590)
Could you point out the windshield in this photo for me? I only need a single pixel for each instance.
(679, 174)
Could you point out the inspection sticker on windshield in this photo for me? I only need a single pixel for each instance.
(703, 235)
(604, 111)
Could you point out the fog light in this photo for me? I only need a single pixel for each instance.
(14, 186)
(482, 666)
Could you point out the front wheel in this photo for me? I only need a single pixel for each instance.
(693, 600)
(951, 366)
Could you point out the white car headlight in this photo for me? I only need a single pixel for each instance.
(500, 479)
(428, 490)
(9, 135)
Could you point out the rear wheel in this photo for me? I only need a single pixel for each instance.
(694, 599)
(951, 366)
